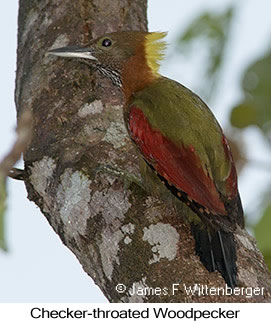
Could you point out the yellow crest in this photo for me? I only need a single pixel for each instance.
(155, 50)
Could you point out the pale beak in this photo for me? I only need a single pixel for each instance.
(73, 52)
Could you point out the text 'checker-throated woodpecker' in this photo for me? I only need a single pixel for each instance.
(182, 144)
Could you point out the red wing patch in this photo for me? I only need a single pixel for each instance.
(180, 166)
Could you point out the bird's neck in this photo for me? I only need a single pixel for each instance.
(136, 75)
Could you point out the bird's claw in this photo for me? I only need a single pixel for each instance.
(128, 178)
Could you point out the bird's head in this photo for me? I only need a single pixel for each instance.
(128, 58)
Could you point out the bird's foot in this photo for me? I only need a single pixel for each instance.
(128, 178)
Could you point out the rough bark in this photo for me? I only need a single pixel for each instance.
(120, 235)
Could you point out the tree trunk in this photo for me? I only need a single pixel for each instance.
(79, 155)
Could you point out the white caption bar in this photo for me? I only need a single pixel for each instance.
(47, 312)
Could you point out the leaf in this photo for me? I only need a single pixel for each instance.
(244, 115)
(262, 234)
(255, 107)
(213, 29)
(2, 211)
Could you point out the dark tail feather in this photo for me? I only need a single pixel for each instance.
(217, 251)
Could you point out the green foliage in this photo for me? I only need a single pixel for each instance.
(254, 110)
(262, 234)
(244, 115)
(2, 211)
(255, 107)
(213, 30)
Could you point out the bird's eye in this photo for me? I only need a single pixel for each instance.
(106, 42)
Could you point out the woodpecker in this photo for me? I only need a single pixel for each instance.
(181, 142)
